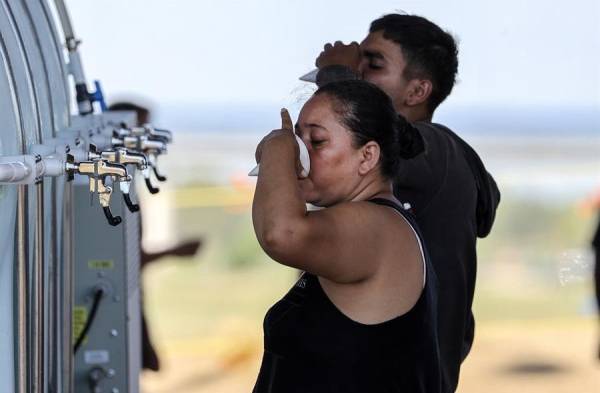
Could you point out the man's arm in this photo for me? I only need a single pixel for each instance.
(186, 249)
(338, 62)
(335, 73)
(488, 194)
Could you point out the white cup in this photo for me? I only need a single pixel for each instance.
(304, 160)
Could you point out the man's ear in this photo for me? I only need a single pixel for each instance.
(419, 91)
(370, 153)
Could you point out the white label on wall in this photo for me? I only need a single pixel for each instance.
(96, 357)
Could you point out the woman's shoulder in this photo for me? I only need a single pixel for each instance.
(397, 280)
(385, 223)
(377, 216)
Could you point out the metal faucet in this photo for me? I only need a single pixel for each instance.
(126, 157)
(98, 171)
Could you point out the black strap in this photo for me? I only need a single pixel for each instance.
(390, 203)
(413, 223)
(406, 213)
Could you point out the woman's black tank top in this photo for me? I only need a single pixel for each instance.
(312, 347)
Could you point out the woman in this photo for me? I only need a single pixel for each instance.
(362, 316)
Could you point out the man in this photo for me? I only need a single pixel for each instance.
(453, 197)
(150, 359)
(596, 249)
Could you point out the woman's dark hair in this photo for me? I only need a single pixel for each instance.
(370, 116)
(430, 52)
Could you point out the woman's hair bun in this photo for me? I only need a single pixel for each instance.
(368, 112)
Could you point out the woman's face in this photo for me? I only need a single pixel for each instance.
(333, 159)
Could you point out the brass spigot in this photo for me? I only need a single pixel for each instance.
(97, 172)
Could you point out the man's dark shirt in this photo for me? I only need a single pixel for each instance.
(454, 200)
(596, 239)
(596, 247)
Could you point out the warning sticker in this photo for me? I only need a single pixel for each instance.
(80, 316)
(105, 264)
(96, 357)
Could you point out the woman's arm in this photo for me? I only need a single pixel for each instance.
(342, 243)
(278, 204)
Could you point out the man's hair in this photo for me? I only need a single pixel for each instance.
(430, 52)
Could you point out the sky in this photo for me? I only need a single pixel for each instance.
(512, 53)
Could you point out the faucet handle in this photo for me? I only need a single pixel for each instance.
(133, 207)
(124, 186)
(151, 188)
(112, 220)
(104, 194)
(158, 175)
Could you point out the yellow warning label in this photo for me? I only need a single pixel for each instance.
(80, 316)
(101, 264)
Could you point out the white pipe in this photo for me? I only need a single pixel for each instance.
(101, 141)
(65, 20)
(53, 166)
(12, 172)
(84, 104)
(75, 67)
(21, 291)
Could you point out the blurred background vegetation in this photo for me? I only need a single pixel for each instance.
(535, 312)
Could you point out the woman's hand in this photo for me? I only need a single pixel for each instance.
(283, 135)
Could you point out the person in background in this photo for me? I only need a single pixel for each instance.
(452, 195)
(596, 249)
(362, 318)
(150, 359)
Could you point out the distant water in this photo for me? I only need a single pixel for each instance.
(553, 169)
(539, 152)
(474, 121)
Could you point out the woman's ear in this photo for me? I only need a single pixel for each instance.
(370, 153)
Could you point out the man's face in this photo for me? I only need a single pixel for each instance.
(382, 63)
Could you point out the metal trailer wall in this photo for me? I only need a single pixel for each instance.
(57, 322)
(54, 248)
(43, 55)
(27, 132)
(107, 257)
(10, 144)
(111, 349)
